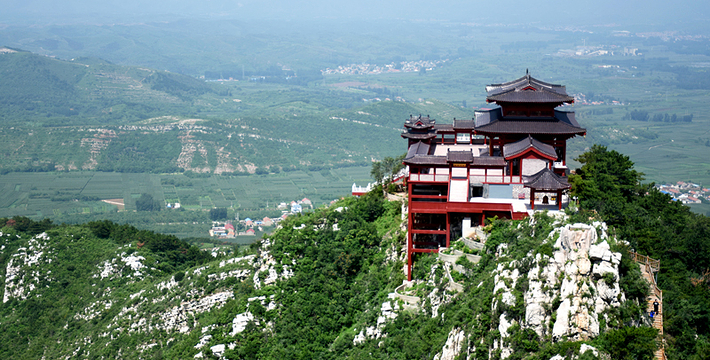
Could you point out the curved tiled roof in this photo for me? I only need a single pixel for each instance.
(519, 147)
(419, 122)
(488, 161)
(529, 125)
(464, 124)
(545, 179)
(415, 136)
(459, 156)
(444, 127)
(426, 160)
(418, 148)
(522, 82)
(527, 89)
(529, 96)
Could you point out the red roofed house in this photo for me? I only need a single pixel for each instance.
(493, 165)
(692, 200)
(230, 229)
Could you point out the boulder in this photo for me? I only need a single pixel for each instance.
(606, 256)
(218, 350)
(240, 322)
(503, 326)
(605, 267)
(608, 293)
(561, 327)
(568, 287)
(535, 317)
(587, 324)
(596, 252)
(453, 345)
(584, 266)
(584, 348)
(616, 258)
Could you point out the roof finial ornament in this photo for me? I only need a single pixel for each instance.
(527, 72)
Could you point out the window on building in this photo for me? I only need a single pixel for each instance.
(516, 167)
(476, 191)
(560, 153)
(463, 138)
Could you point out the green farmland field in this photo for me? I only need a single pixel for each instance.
(76, 196)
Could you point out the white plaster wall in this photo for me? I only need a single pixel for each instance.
(532, 166)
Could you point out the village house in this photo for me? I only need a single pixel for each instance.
(296, 208)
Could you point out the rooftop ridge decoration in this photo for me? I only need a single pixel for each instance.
(523, 83)
(419, 122)
(528, 89)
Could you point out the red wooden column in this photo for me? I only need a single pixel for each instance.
(532, 198)
(409, 265)
(410, 239)
(559, 199)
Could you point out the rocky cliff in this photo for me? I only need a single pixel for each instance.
(542, 288)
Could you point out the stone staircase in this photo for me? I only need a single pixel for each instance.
(648, 268)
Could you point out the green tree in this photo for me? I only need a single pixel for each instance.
(606, 182)
(604, 176)
(218, 214)
(385, 170)
(147, 203)
(630, 343)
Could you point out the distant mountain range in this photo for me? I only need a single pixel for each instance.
(90, 114)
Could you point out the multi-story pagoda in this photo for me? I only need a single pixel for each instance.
(499, 164)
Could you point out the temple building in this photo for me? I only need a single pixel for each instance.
(501, 163)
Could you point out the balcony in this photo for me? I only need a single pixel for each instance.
(474, 179)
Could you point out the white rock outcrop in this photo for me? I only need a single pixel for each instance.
(387, 312)
(267, 263)
(23, 272)
(240, 322)
(567, 292)
(452, 348)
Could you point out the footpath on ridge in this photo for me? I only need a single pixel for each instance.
(648, 268)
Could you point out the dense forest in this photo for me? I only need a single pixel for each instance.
(609, 187)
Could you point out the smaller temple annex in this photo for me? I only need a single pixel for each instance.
(503, 163)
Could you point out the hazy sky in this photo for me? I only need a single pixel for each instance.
(554, 12)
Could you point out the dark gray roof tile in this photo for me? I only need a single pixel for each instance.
(488, 161)
(547, 126)
(459, 156)
(513, 149)
(464, 124)
(426, 160)
(545, 179)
